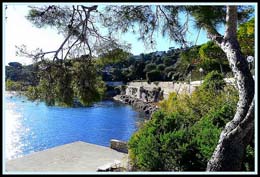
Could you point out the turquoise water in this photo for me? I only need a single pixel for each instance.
(31, 126)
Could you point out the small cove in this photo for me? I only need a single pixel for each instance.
(31, 126)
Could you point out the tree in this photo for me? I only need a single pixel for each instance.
(60, 80)
(113, 56)
(229, 152)
(160, 67)
(246, 37)
(210, 55)
(236, 135)
(190, 56)
(153, 75)
(149, 67)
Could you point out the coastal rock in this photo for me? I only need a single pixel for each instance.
(145, 107)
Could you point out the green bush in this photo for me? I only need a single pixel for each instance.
(13, 86)
(214, 80)
(149, 67)
(153, 147)
(153, 75)
(183, 134)
(168, 69)
(249, 160)
(32, 93)
(160, 67)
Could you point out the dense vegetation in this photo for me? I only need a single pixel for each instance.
(15, 71)
(183, 134)
(119, 65)
(171, 65)
(59, 83)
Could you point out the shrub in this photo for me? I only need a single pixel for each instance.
(153, 147)
(149, 67)
(168, 69)
(160, 67)
(32, 93)
(183, 134)
(153, 75)
(13, 86)
(214, 80)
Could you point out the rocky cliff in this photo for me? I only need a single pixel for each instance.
(146, 107)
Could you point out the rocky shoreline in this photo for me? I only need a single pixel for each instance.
(146, 107)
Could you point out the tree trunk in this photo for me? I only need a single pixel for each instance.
(235, 137)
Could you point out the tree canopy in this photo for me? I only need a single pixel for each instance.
(246, 37)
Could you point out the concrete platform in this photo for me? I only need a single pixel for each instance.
(74, 157)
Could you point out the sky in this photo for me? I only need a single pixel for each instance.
(18, 30)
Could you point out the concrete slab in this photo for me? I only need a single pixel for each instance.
(74, 157)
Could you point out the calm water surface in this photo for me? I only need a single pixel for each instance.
(31, 126)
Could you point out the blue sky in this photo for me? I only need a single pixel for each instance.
(18, 31)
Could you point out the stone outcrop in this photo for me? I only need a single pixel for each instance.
(145, 107)
(153, 94)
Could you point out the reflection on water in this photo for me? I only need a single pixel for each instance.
(12, 128)
(31, 126)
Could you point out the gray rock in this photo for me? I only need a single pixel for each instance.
(139, 105)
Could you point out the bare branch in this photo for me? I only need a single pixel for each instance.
(79, 27)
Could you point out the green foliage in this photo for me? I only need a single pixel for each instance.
(206, 136)
(208, 17)
(209, 65)
(87, 85)
(246, 37)
(167, 61)
(63, 87)
(13, 86)
(33, 93)
(62, 83)
(153, 75)
(126, 17)
(175, 64)
(25, 74)
(214, 80)
(249, 160)
(169, 69)
(149, 67)
(160, 67)
(211, 51)
(183, 134)
(52, 15)
(167, 104)
(190, 56)
(213, 58)
(46, 91)
(149, 147)
(113, 56)
(117, 74)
